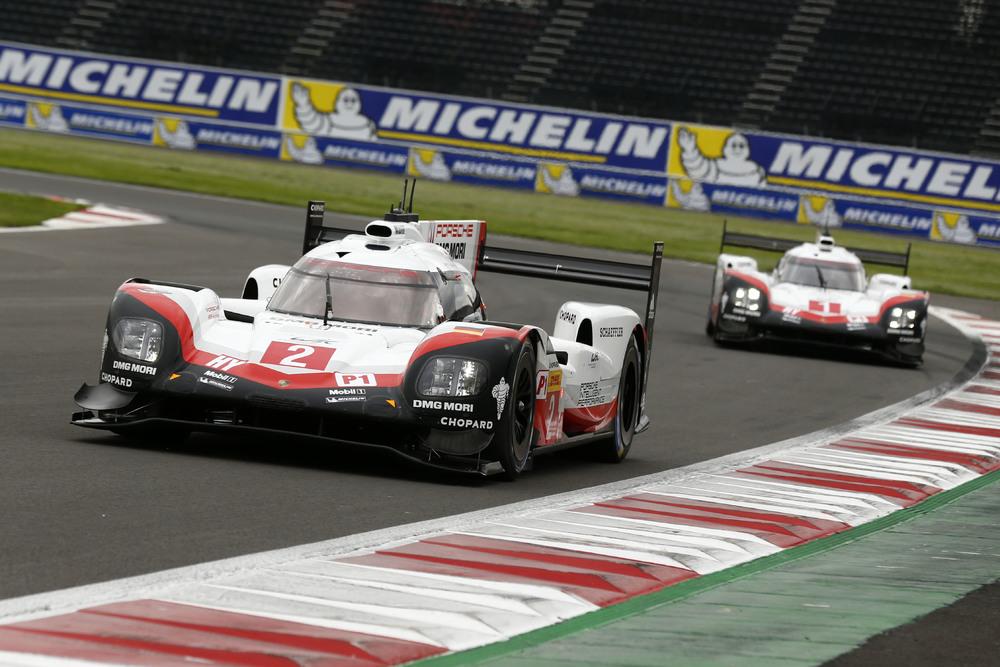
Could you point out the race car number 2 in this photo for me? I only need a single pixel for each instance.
(296, 355)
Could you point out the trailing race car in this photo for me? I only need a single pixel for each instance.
(382, 339)
(818, 293)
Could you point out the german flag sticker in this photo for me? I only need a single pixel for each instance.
(470, 331)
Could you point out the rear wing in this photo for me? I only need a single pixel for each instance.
(880, 257)
(528, 263)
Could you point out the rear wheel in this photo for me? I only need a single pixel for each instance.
(616, 448)
(515, 432)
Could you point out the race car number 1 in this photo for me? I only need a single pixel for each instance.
(296, 355)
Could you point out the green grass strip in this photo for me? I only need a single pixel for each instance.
(26, 211)
(632, 227)
(691, 587)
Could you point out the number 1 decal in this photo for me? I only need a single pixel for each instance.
(311, 357)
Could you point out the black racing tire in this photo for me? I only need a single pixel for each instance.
(515, 433)
(615, 448)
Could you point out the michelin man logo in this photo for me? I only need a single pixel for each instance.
(52, 121)
(558, 180)
(307, 153)
(180, 138)
(692, 200)
(733, 167)
(820, 211)
(500, 391)
(345, 121)
(429, 164)
(958, 231)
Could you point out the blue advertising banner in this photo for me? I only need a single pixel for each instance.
(937, 225)
(753, 159)
(470, 168)
(181, 134)
(104, 124)
(13, 112)
(579, 181)
(363, 113)
(713, 198)
(343, 153)
(139, 85)
(554, 151)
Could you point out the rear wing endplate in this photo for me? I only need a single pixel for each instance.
(773, 244)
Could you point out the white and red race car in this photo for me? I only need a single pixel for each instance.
(381, 339)
(818, 293)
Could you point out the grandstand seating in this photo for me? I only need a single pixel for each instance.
(923, 72)
(896, 73)
(458, 48)
(246, 34)
(668, 58)
(36, 22)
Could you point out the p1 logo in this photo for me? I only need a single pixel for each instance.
(354, 379)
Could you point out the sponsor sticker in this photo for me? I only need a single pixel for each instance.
(555, 381)
(611, 332)
(567, 316)
(354, 379)
(132, 367)
(115, 380)
(458, 422)
(344, 399)
(541, 384)
(354, 391)
(450, 406)
(500, 391)
(221, 377)
(225, 386)
(225, 363)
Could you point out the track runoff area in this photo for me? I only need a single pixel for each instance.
(425, 591)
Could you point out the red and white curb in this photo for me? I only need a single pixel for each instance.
(94, 216)
(405, 593)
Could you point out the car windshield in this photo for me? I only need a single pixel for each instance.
(359, 293)
(821, 273)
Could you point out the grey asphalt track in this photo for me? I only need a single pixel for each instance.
(78, 507)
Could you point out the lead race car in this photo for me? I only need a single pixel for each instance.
(382, 339)
(818, 293)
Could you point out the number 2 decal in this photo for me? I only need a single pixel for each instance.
(300, 351)
(296, 355)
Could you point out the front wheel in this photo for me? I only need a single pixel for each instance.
(515, 432)
(616, 448)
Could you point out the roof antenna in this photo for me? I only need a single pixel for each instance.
(399, 213)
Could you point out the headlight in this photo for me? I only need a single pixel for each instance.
(903, 320)
(748, 299)
(447, 376)
(138, 339)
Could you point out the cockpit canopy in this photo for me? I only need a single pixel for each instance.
(823, 273)
(337, 290)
